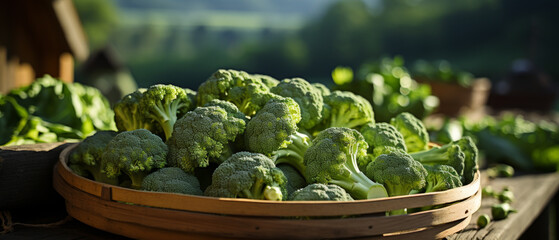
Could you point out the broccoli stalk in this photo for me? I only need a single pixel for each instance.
(448, 154)
(260, 190)
(164, 104)
(294, 153)
(332, 159)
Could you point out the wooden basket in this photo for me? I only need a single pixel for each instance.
(153, 215)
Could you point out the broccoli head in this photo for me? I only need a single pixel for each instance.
(294, 179)
(203, 135)
(248, 175)
(88, 156)
(135, 153)
(348, 110)
(441, 177)
(247, 92)
(471, 153)
(320, 192)
(172, 179)
(309, 99)
(273, 131)
(270, 82)
(449, 154)
(413, 130)
(321, 88)
(382, 138)
(332, 159)
(164, 104)
(399, 173)
(229, 107)
(128, 115)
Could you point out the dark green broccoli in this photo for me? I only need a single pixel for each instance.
(294, 179)
(320, 192)
(135, 153)
(203, 135)
(332, 159)
(307, 97)
(449, 154)
(172, 179)
(247, 92)
(399, 174)
(382, 138)
(273, 132)
(248, 175)
(348, 110)
(441, 177)
(471, 153)
(165, 104)
(413, 130)
(88, 154)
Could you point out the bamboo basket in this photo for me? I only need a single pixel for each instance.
(153, 215)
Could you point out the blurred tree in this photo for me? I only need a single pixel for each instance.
(99, 18)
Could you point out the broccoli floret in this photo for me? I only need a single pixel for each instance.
(172, 179)
(320, 192)
(348, 110)
(332, 159)
(273, 132)
(128, 115)
(399, 174)
(471, 153)
(307, 97)
(203, 135)
(248, 175)
(270, 82)
(323, 89)
(449, 154)
(165, 104)
(294, 179)
(229, 107)
(88, 156)
(135, 153)
(382, 138)
(413, 130)
(247, 92)
(441, 177)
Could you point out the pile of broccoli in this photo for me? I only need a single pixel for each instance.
(244, 135)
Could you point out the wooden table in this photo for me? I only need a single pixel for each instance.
(535, 198)
(534, 201)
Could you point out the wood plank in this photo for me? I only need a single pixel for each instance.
(532, 192)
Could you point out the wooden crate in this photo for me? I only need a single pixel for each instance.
(26, 175)
(152, 215)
